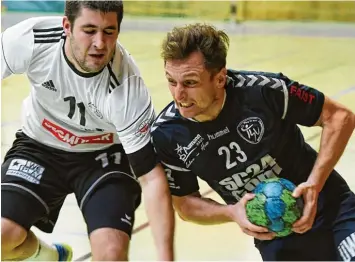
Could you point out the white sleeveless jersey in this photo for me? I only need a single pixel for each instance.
(69, 110)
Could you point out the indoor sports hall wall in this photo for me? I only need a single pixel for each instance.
(33, 6)
(218, 10)
(248, 10)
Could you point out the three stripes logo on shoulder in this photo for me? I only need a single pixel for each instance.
(48, 35)
(49, 85)
(25, 169)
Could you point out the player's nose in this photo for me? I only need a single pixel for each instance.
(99, 41)
(180, 92)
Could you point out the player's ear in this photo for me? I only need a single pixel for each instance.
(221, 77)
(66, 26)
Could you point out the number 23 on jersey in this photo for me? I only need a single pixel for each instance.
(233, 155)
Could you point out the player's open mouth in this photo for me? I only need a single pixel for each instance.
(98, 56)
(186, 105)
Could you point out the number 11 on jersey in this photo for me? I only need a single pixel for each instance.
(72, 107)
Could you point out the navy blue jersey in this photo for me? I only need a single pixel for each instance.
(254, 137)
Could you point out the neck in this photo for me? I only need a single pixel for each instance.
(214, 110)
(69, 55)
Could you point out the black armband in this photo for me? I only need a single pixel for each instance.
(143, 160)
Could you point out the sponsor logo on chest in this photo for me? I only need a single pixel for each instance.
(218, 134)
(68, 137)
(245, 180)
(185, 153)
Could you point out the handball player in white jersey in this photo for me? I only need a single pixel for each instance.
(85, 130)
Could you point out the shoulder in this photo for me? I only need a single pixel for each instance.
(165, 118)
(46, 23)
(29, 38)
(130, 97)
(125, 75)
(168, 127)
(257, 88)
(129, 61)
(250, 79)
(131, 92)
(48, 38)
(128, 102)
(123, 65)
(48, 30)
(41, 29)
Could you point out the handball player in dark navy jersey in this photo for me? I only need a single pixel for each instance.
(234, 129)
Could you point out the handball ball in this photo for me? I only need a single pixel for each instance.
(274, 207)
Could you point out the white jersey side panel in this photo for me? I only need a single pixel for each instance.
(75, 112)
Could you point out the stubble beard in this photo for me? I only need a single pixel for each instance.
(82, 62)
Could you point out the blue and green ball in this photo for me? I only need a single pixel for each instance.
(274, 207)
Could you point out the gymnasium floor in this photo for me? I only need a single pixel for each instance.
(318, 55)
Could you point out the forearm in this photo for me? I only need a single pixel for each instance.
(158, 205)
(335, 135)
(204, 211)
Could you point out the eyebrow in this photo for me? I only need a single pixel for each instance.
(91, 25)
(191, 74)
(184, 76)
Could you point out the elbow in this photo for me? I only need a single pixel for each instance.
(154, 177)
(185, 207)
(349, 120)
(343, 120)
(183, 217)
(182, 209)
(181, 213)
(352, 120)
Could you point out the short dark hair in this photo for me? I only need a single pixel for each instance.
(73, 8)
(212, 43)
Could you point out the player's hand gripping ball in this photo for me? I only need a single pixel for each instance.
(274, 207)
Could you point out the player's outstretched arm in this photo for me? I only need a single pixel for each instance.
(157, 200)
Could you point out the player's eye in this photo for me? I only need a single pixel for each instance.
(171, 82)
(190, 82)
(89, 31)
(109, 31)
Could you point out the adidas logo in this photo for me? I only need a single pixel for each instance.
(49, 85)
